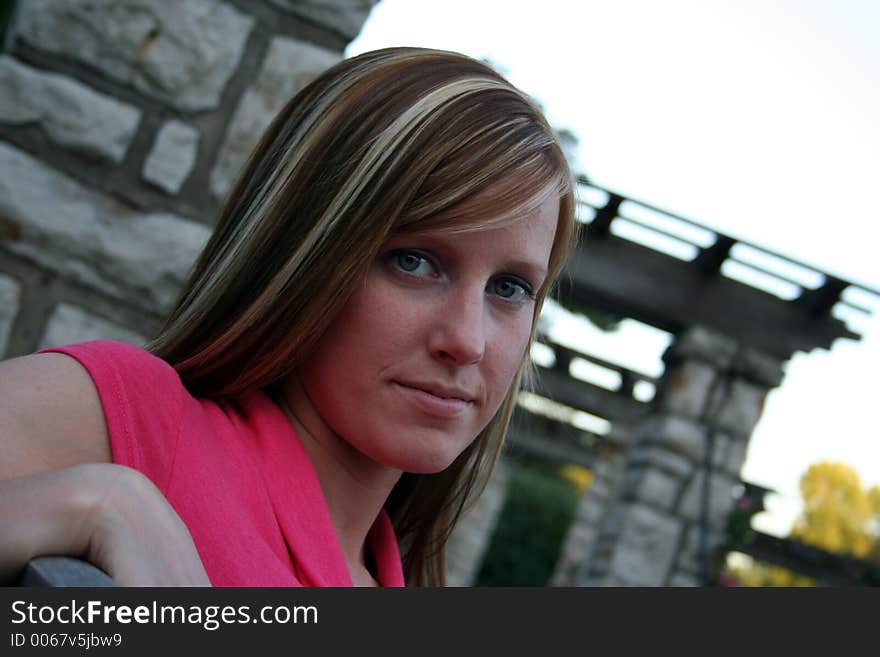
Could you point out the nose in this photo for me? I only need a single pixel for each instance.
(459, 335)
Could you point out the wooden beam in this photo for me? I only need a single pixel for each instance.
(564, 356)
(818, 302)
(627, 279)
(548, 448)
(826, 568)
(584, 396)
(601, 223)
(550, 440)
(709, 260)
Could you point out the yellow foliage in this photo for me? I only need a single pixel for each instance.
(752, 573)
(874, 500)
(838, 513)
(578, 476)
(839, 516)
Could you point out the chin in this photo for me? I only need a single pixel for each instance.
(423, 461)
(433, 468)
(425, 465)
(418, 449)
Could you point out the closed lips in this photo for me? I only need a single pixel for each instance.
(439, 391)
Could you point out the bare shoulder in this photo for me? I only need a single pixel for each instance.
(50, 416)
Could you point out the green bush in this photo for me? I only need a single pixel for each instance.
(532, 524)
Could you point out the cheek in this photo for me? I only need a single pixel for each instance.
(505, 357)
(372, 331)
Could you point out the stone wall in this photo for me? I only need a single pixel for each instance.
(122, 126)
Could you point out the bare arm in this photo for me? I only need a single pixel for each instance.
(60, 493)
(50, 416)
(108, 514)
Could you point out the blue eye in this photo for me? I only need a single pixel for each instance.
(511, 289)
(412, 262)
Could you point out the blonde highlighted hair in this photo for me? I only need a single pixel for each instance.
(386, 142)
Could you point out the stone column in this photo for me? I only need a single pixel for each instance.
(681, 478)
(469, 541)
(609, 466)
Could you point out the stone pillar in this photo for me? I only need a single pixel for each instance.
(469, 541)
(670, 513)
(608, 468)
(122, 126)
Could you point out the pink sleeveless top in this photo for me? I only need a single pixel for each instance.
(234, 471)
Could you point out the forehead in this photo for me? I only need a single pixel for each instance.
(507, 201)
(525, 237)
(532, 233)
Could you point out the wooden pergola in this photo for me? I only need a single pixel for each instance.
(690, 282)
(638, 261)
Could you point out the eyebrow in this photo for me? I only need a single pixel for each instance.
(539, 270)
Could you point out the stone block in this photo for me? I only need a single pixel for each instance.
(172, 156)
(289, 66)
(70, 324)
(653, 487)
(71, 114)
(141, 258)
(734, 455)
(740, 411)
(672, 464)
(686, 387)
(684, 579)
(763, 369)
(600, 489)
(608, 581)
(676, 434)
(581, 534)
(574, 554)
(700, 343)
(589, 511)
(722, 490)
(10, 299)
(180, 52)
(678, 446)
(646, 548)
(345, 17)
(690, 556)
(612, 523)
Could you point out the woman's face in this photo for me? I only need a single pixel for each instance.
(424, 352)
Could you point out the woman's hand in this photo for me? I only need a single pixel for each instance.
(110, 515)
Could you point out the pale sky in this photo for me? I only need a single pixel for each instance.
(755, 118)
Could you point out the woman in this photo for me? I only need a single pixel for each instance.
(346, 352)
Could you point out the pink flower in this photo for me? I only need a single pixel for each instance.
(727, 581)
